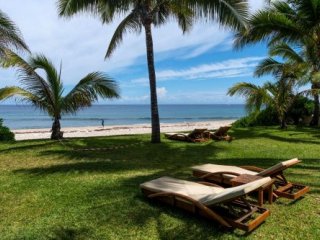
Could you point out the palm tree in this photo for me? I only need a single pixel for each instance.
(295, 22)
(47, 93)
(278, 95)
(143, 14)
(10, 36)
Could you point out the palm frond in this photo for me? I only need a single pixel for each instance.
(182, 13)
(269, 66)
(10, 36)
(52, 75)
(229, 13)
(88, 90)
(255, 96)
(286, 51)
(105, 9)
(28, 76)
(130, 23)
(268, 25)
(9, 92)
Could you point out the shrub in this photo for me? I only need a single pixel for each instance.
(266, 117)
(301, 108)
(5, 133)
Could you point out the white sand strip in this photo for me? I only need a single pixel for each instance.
(98, 131)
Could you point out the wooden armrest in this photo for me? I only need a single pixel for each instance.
(219, 173)
(267, 185)
(252, 168)
(210, 184)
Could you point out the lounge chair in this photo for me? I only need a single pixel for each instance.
(221, 134)
(210, 200)
(224, 174)
(197, 135)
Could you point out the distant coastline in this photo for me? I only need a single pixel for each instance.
(26, 117)
(99, 131)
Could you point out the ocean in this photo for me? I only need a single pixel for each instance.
(27, 117)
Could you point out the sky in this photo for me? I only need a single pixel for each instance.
(193, 68)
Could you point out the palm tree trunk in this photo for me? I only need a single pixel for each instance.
(56, 130)
(316, 110)
(283, 123)
(155, 122)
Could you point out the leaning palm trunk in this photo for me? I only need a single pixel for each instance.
(155, 122)
(56, 130)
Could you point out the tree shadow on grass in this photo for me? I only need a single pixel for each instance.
(293, 134)
(145, 156)
(30, 146)
(68, 233)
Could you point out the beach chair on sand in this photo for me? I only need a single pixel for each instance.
(221, 134)
(197, 135)
(224, 174)
(225, 206)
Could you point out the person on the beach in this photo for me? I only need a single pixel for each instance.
(102, 122)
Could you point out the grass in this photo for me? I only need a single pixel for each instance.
(50, 190)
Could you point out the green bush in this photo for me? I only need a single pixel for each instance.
(301, 107)
(266, 117)
(5, 133)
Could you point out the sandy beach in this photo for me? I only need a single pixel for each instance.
(98, 131)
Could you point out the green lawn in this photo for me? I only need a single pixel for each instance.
(48, 190)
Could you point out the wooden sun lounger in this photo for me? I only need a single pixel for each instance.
(224, 174)
(225, 206)
(197, 135)
(221, 134)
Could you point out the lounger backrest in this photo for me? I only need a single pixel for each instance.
(222, 131)
(278, 167)
(234, 192)
(206, 195)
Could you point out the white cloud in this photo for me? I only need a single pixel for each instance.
(225, 69)
(201, 97)
(162, 92)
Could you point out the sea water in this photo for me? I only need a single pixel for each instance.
(28, 117)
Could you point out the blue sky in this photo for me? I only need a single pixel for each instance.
(197, 67)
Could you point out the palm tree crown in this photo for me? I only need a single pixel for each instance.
(279, 94)
(47, 93)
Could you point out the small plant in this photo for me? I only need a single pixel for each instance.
(5, 133)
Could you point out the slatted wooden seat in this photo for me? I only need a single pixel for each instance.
(224, 174)
(225, 206)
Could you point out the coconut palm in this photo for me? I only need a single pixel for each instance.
(47, 93)
(143, 14)
(295, 22)
(279, 95)
(10, 36)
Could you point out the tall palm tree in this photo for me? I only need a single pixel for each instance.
(295, 22)
(10, 36)
(143, 14)
(47, 93)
